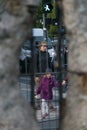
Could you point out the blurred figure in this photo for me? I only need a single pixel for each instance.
(45, 87)
(43, 60)
(25, 57)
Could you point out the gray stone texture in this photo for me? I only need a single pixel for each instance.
(75, 117)
(75, 14)
(30, 2)
(15, 21)
(75, 17)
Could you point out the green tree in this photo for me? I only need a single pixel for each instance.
(38, 16)
(52, 30)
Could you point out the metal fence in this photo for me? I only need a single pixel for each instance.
(27, 84)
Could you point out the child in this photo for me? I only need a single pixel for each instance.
(47, 82)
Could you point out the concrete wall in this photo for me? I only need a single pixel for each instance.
(75, 17)
(75, 14)
(15, 20)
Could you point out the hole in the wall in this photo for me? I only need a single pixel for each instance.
(45, 29)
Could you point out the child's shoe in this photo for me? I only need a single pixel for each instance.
(44, 115)
(51, 108)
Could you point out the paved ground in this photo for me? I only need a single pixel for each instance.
(50, 122)
(52, 115)
(25, 89)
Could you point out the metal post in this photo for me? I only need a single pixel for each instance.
(44, 28)
(32, 9)
(59, 16)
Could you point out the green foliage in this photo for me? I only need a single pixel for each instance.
(38, 16)
(52, 29)
(52, 14)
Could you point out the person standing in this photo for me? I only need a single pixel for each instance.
(43, 60)
(45, 87)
